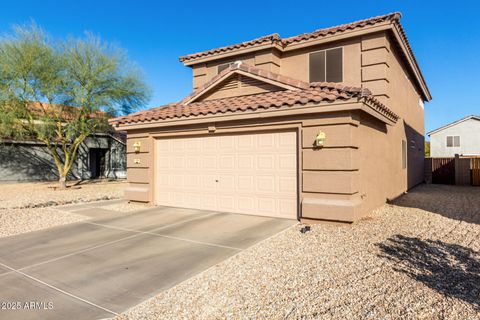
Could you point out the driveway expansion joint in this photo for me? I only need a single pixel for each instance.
(152, 233)
(71, 295)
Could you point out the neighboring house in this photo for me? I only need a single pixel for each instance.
(326, 125)
(99, 156)
(461, 137)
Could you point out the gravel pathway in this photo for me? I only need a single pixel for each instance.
(418, 258)
(26, 207)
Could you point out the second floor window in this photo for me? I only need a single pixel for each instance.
(453, 141)
(326, 65)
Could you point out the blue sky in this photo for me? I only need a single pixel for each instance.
(445, 38)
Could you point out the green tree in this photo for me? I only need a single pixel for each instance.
(60, 92)
(427, 149)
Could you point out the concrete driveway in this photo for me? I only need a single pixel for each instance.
(100, 268)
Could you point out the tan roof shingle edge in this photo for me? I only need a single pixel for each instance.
(277, 79)
(316, 92)
(275, 40)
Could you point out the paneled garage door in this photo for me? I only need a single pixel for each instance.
(247, 173)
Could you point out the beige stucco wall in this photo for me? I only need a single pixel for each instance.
(382, 174)
(324, 174)
(360, 166)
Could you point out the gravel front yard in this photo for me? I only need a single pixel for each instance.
(418, 258)
(26, 207)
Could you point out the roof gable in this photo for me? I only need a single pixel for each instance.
(322, 93)
(243, 79)
(238, 85)
(471, 117)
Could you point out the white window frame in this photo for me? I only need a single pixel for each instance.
(453, 141)
(325, 66)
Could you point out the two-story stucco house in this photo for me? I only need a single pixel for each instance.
(325, 125)
(461, 137)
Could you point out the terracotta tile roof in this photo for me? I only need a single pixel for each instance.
(262, 73)
(342, 28)
(315, 93)
(270, 39)
(60, 111)
(275, 39)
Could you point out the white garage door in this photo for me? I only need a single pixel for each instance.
(248, 173)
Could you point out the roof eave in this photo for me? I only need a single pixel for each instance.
(297, 109)
(232, 52)
(411, 61)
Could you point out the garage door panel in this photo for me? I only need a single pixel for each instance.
(226, 203)
(209, 162)
(266, 140)
(227, 143)
(226, 162)
(287, 140)
(245, 142)
(266, 184)
(246, 162)
(209, 144)
(250, 173)
(287, 162)
(192, 162)
(163, 163)
(208, 182)
(287, 185)
(246, 183)
(266, 162)
(193, 200)
(179, 162)
(267, 205)
(287, 206)
(226, 183)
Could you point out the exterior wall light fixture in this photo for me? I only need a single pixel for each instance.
(320, 139)
(136, 146)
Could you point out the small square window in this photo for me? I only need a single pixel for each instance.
(453, 141)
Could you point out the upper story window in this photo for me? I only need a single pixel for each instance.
(326, 65)
(453, 141)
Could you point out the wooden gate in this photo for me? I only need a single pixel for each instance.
(443, 170)
(475, 171)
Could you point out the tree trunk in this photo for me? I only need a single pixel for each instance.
(62, 182)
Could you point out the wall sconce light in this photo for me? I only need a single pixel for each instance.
(136, 146)
(320, 139)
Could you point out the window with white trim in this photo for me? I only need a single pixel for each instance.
(326, 65)
(453, 141)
